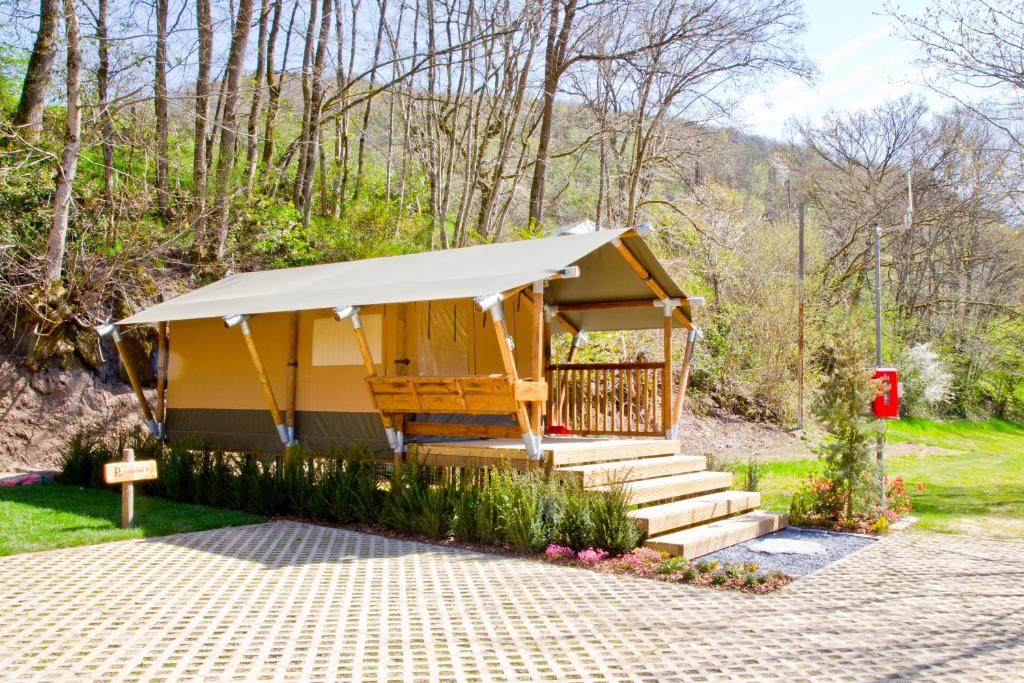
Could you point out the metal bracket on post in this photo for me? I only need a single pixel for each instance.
(493, 303)
(532, 443)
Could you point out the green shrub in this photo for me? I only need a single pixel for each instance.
(297, 481)
(177, 477)
(673, 564)
(575, 528)
(494, 506)
(436, 509)
(77, 461)
(467, 509)
(614, 530)
(402, 504)
(842, 408)
(525, 526)
(363, 480)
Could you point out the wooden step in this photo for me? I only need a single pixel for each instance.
(632, 470)
(707, 538)
(676, 486)
(579, 451)
(658, 519)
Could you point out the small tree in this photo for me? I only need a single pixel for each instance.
(842, 408)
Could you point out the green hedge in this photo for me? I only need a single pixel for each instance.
(522, 510)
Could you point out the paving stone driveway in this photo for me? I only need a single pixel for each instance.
(290, 601)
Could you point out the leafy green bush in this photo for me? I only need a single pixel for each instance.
(467, 509)
(77, 461)
(575, 528)
(526, 506)
(614, 530)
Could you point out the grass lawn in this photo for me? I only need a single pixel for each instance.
(977, 491)
(47, 516)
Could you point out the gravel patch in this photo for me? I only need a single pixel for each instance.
(837, 545)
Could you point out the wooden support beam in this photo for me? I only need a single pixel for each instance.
(603, 305)
(371, 372)
(537, 353)
(292, 376)
(666, 376)
(133, 379)
(509, 363)
(161, 377)
(261, 373)
(646, 276)
(684, 380)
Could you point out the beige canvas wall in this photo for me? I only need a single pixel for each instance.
(209, 365)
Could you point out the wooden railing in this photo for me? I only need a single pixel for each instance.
(621, 399)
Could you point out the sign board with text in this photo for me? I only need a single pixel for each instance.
(124, 472)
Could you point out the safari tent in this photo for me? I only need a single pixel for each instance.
(437, 346)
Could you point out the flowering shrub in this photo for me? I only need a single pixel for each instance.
(650, 564)
(896, 497)
(819, 502)
(591, 556)
(817, 498)
(559, 553)
(640, 558)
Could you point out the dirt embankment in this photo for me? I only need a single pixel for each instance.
(39, 411)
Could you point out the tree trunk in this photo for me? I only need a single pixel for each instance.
(160, 108)
(29, 115)
(312, 148)
(553, 66)
(274, 94)
(226, 158)
(199, 166)
(360, 155)
(264, 69)
(102, 91)
(69, 155)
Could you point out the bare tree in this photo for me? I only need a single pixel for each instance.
(160, 108)
(68, 166)
(103, 93)
(228, 129)
(204, 24)
(29, 115)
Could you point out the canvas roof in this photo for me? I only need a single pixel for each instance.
(447, 274)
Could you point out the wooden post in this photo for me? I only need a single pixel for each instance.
(684, 379)
(161, 378)
(127, 494)
(537, 354)
(292, 374)
(261, 373)
(371, 371)
(666, 376)
(133, 379)
(509, 363)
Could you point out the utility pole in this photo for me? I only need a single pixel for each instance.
(800, 324)
(908, 222)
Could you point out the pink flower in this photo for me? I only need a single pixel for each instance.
(591, 556)
(641, 556)
(556, 553)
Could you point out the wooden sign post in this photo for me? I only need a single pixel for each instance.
(125, 473)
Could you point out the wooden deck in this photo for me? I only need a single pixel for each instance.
(557, 451)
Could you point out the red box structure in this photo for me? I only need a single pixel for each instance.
(887, 404)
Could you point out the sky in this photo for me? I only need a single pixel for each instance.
(861, 63)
